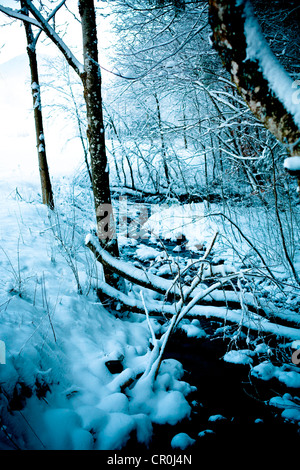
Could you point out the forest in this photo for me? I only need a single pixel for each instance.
(150, 216)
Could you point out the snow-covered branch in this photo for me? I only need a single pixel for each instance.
(191, 294)
(43, 24)
(253, 321)
(19, 16)
(259, 77)
(49, 17)
(127, 270)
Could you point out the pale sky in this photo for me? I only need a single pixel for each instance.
(12, 37)
(17, 133)
(13, 42)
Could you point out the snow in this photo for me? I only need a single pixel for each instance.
(116, 432)
(63, 430)
(263, 348)
(292, 163)
(144, 253)
(55, 335)
(266, 371)
(193, 329)
(258, 49)
(182, 441)
(290, 406)
(58, 341)
(241, 356)
(206, 432)
(178, 221)
(217, 417)
(165, 402)
(116, 402)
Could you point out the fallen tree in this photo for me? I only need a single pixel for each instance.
(157, 308)
(185, 304)
(261, 314)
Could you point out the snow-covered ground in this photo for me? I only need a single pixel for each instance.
(57, 341)
(57, 388)
(55, 337)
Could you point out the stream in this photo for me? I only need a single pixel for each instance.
(226, 391)
(229, 408)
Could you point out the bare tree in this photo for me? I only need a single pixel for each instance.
(90, 75)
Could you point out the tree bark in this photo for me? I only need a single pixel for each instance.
(228, 19)
(47, 193)
(162, 140)
(91, 79)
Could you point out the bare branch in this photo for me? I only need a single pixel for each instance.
(19, 16)
(49, 31)
(253, 321)
(52, 14)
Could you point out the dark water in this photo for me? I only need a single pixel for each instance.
(225, 389)
(250, 426)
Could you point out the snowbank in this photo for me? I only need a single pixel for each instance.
(59, 343)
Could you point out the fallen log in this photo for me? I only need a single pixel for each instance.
(156, 308)
(165, 286)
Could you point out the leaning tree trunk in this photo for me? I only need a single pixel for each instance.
(91, 79)
(260, 79)
(162, 140)
(47, 194)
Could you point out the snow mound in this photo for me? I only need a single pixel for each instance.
(182, 441)
(267, 371)
(217, 417)
(59, 342)
(292, 164)
(185, 221)
(239, 357)
(193, 329)
(289, 405)
(206, 432)
(145, 253)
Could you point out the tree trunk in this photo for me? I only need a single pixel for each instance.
(47, 194)
(91, 79)
(260, 79)
(162, 139)
(90, 76)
